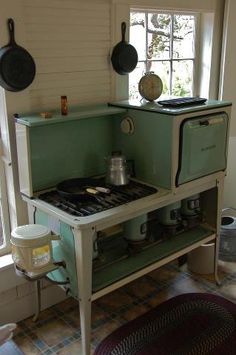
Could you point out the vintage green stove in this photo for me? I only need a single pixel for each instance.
(178, 153)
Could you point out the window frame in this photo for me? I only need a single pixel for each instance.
(5, 218)
(196, 57)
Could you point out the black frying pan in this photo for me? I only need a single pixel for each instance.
(17, 67)
(124, 56)
(75, 189)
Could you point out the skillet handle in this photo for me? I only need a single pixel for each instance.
(11, 29)
(123, 30)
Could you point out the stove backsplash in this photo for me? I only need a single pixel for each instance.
(54, 152)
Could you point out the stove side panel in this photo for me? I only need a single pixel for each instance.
(63, 250)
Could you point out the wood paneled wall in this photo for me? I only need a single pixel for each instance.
(70, 42)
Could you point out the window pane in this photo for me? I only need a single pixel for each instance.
(4, 212)
(1, 229)
(182, 83)
(134, 78)
(166, 45)
(183, 36)
(162, 69)
(138, 33)
(159, 36)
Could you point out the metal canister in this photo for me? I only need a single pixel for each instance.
(117, 170)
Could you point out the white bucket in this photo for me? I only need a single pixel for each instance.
(32, 247)
(202, 259)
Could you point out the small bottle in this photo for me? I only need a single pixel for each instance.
(64, 106)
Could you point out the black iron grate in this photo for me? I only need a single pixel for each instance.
(118, 195)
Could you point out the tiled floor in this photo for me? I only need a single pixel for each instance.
(57, 331)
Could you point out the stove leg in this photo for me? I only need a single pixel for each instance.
(217, 279)
(38, 300)
(84, 250)
(220, 191)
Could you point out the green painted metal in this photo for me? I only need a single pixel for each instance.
(76, 149)
(75, 114)
(63, 250)
(63, 148)
(131, 264)
(203, 148)
(153, 106)
(150, 146)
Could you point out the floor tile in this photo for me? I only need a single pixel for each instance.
(72, 349)
(53, 332)
(26, 345)
(135, 311)
(113, 301)
(58, 329)
(141, 287)
(105, 330)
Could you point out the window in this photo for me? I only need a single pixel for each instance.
(4, 210)
(166, 44)
(4, 214)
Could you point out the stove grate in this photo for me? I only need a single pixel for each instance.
(118, 196)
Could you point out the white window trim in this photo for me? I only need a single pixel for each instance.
(5, 247)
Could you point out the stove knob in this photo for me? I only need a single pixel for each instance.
(127, 125)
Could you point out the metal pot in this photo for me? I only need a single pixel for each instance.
(117, 170)
(135, 229)
(170, 215)
(191, 205)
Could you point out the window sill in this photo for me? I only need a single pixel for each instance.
(6, 262)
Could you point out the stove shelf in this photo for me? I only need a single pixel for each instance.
(76, 113)
(129, 264)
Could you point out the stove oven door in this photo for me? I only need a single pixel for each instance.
(203, 146)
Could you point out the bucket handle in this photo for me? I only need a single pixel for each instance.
(228, 208)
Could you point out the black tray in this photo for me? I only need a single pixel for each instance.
(183, 101)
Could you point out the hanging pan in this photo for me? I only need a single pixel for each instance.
(17, 67)
(124, 56)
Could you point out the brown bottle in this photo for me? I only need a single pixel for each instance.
(64, 106)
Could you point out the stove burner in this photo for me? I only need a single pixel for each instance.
(118, 196)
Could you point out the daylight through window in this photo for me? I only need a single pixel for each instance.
(165, 43)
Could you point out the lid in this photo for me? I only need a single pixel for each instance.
(117, 158)
(30, 231)
(29, 234)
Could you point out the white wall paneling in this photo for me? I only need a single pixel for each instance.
(70, 42)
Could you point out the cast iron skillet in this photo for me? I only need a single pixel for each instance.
(75, 189)
(124, 56)
(17, 67)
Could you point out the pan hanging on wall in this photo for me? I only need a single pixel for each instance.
(124, 56)
(17, 67)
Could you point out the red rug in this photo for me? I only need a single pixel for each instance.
(193, 324)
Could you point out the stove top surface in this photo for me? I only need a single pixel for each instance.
(100, 202)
